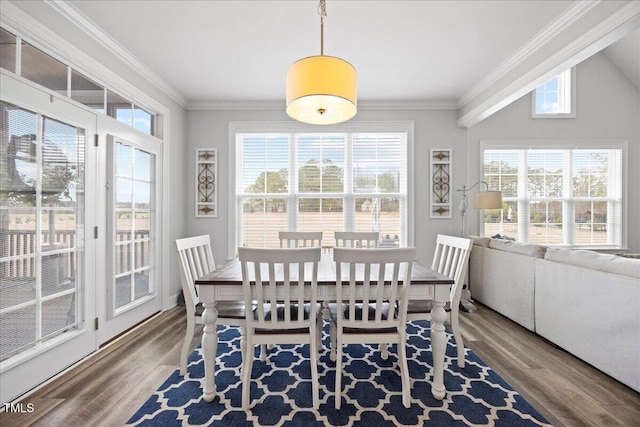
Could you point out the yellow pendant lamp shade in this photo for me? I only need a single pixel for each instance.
(321, 90)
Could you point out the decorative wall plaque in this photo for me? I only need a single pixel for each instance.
(207, 182)
(440, 160)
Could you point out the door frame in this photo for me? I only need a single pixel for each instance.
(110, 325)
(24, 371)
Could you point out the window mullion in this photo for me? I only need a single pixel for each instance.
(293, 195)
(568, 206)
(349, 198)
(39, 214)
(524, 207)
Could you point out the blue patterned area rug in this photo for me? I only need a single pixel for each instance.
(281, 390)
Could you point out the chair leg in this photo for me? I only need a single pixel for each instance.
(333, 339)
(186, 345)
(246, 375)
(455, 328)
(263, 352)
(319, 326)
(325, 314)
(338, 386)
(404, 372)
(313, 363)
(243, 343)
(384, 351)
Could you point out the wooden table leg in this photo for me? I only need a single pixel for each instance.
(438, 345)
(209, 349)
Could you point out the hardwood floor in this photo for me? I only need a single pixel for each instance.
(566, 390)
(106, 389)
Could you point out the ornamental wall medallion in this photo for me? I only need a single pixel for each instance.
(207, 182)
(440, 185)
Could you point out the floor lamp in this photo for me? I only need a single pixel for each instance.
(481, 200)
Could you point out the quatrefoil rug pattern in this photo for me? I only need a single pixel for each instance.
(281, 390)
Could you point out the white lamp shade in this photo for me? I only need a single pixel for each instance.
(321, 90)
(487, 200)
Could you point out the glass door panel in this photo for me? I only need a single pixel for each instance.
(47, 295)
(42, 217)
(132, 233)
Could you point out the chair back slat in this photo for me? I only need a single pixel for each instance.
(279, 279)
(195, 259)
(300, 239)
(373, 280)
(357, 239)
(451, 258)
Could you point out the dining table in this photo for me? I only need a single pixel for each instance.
(225, 284)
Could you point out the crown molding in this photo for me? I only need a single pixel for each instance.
(80, 20)
(236, 105)
(15, 19)
(574, 12)
(429, 104)
(444, 104)
(609, 30)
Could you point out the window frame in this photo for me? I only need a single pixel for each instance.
(235, 128)
(619, 241)
(138, 112)
(566, 95)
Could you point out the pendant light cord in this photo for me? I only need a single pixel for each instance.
(322, 11)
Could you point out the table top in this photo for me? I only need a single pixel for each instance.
(231, 274)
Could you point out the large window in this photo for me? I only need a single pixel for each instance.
(557, 196)
(320, 182)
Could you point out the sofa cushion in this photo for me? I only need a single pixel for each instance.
(589, 259)
(482, 241)
(529, 249)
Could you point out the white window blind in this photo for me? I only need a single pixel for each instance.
(320, 182)
(557, 196)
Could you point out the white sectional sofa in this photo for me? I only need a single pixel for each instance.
(585, 302)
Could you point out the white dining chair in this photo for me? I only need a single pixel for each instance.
(371, 311)
(349, 239)
(357, 239)
(283, 282)
(300, 239)
(451, 258)
(195, 259)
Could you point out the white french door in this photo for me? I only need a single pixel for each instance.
(80, 232)
(131, 290)
(47, 220)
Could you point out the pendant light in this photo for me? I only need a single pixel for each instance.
(321, 89)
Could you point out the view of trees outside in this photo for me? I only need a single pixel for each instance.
(556, 182)
(41, 211)
(133, 211)
(320, 195)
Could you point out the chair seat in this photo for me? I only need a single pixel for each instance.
(280, 310)
(415, 307)
(226, 309)
(333, 310)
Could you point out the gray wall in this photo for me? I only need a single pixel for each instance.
(608, 108)
(432, 129)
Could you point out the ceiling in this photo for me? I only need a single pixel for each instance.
(238, 51)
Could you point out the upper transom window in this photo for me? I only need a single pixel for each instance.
(555, 98)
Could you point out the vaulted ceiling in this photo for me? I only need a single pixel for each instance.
(476, 56)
